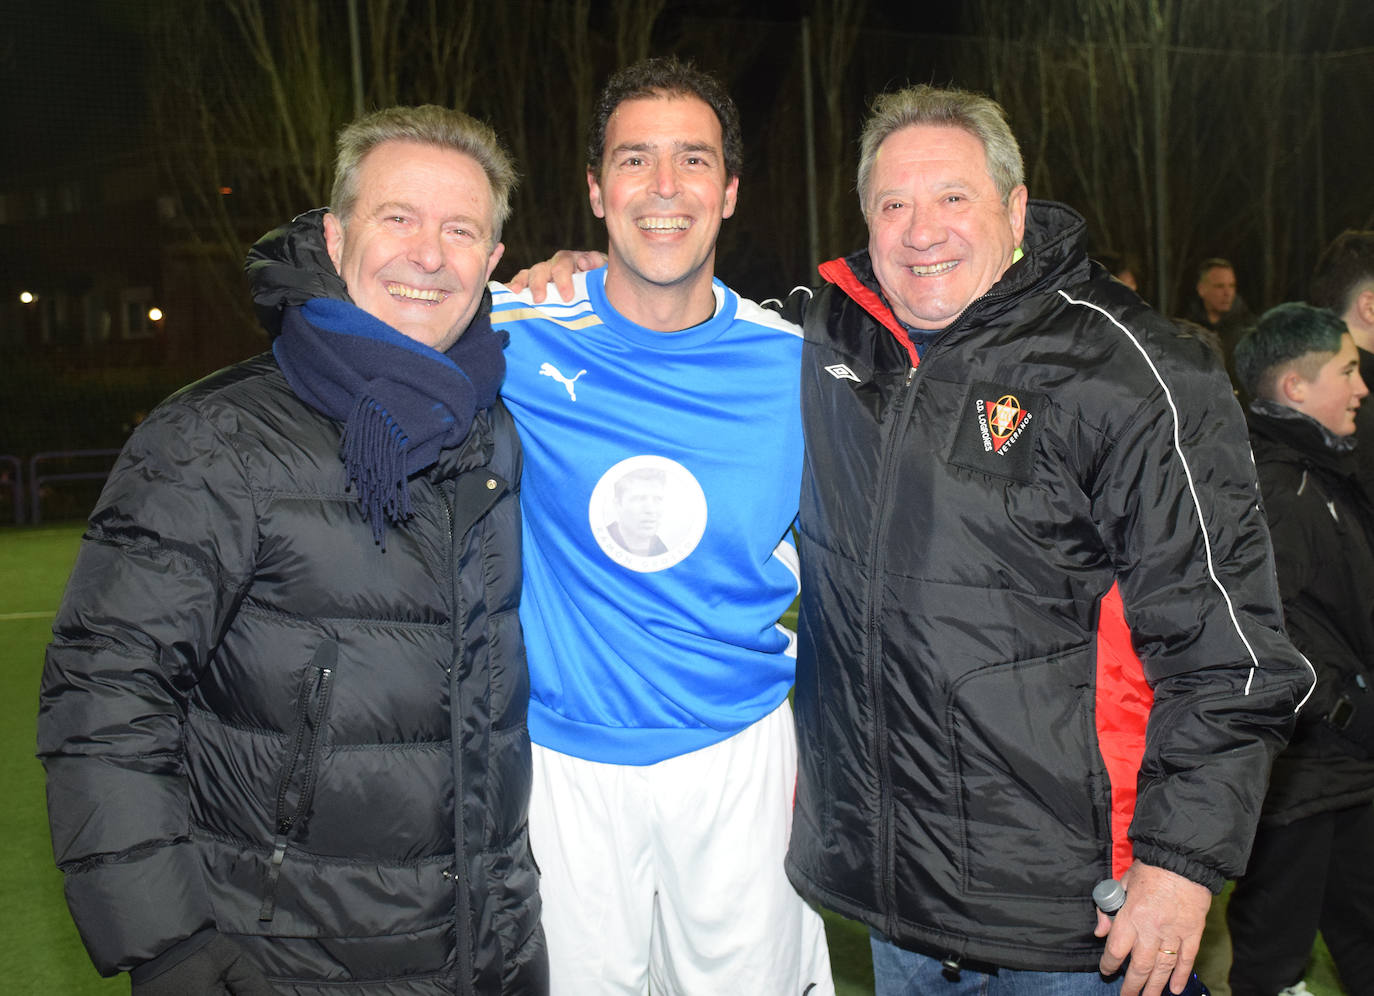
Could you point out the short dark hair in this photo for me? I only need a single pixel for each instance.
(1292, 334)
(1343, 269)
(1215, 263)
(648, 475)
(659, 78)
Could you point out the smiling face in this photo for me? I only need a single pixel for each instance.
(663, 192)
(417, 251)
(1332, 395)
(938, 233)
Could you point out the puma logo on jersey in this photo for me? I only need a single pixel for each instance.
(549, 370)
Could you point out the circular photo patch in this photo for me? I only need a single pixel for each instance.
(647, 513)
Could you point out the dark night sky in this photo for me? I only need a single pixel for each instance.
(73, 74)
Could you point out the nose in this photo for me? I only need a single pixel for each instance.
(665, 179)
(425, 249)
(1361, 388)
(923, 229)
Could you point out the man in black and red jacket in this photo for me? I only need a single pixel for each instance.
(1040, 637)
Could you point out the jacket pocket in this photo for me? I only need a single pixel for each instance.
(1032, 796)
(296, 787)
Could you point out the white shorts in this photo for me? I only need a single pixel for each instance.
(670, 875)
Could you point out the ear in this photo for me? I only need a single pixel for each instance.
(1364, 307)
(1016, 211)
(1292, 388)
(334, 240)
(731, 193)
(594, 195)
(494, 258)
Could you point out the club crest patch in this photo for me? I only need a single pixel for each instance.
(997, 429)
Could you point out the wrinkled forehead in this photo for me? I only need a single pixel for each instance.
(933, 153)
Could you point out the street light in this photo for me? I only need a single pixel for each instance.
(27, 297)
(154, 314)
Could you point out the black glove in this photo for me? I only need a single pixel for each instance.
(218, 968)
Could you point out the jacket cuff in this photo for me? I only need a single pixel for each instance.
(1180, 864)
(173, 956)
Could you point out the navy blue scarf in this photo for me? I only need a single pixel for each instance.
(401, 402)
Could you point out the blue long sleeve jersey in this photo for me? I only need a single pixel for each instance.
(662, 475)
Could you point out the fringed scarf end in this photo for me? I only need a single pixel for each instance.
(374, 455)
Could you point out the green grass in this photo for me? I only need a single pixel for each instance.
(39, 946)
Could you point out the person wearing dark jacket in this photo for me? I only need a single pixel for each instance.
(1040, 639)
(1344, 282)
(1310, 868)
(283, 712)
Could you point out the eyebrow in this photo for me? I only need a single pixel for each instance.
(677, 147)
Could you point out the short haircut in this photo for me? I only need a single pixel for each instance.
(1345, 267)
(428, 124)
(648, 475)
(1292, 335)
(659, 79)
(980, 116)
(1215, 263)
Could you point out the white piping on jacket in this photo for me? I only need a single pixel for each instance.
(1192, 490)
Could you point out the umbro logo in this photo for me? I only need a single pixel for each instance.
(841, 372)
(549, 370)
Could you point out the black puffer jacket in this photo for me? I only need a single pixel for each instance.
(971, 717)
(256, 720)
(1323, 527)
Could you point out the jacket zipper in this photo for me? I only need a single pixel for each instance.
(309, 722)
(463, 914)
(873, 653)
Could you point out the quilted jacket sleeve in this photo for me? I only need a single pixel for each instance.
(157, 580)
(1176, 501)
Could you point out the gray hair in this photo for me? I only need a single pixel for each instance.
(428, 124)
(980, 116)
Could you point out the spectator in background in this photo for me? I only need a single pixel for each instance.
(1220, 308)
(1122, 266)
(1344, 282)
(1310, 868)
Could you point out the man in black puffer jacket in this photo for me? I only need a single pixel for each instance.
(1310, 868)
(1040, 641)
(283, 712)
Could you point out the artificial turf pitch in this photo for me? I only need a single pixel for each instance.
(40, 952)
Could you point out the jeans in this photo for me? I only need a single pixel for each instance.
(899, 972)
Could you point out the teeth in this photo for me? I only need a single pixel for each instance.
(930, 271)
(663, 224)
(416, 293)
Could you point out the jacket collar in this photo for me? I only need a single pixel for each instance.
(1305, 436)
